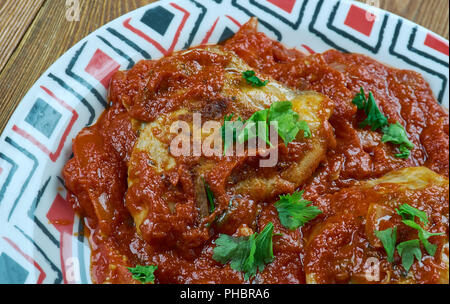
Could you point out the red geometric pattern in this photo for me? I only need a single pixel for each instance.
(437, 44)
(357, 20)
(61, 215)
(211, 30)
(285, 5)
(102, 67)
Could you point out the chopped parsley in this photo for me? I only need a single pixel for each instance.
(232, 128)
(210, 197)
(388, 238)
(393, 133)
(288, 122)
(396, 134)
(247, 254)
(408, 250)
(408, 212)
(294, 211)
(251, 128)
(253, 80)
(143, 274)
(375, 119)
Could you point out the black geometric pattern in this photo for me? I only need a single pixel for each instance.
(43, 117)
(158, 19)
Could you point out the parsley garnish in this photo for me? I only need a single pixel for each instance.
(143, 274)
(251, 129)
(408, 214)
(294, 211)
(288, 121)
(393, 133)
(375, 119)
(389, 239)
(233, 128)
(396, 134)
(246, 253)
(250, 77)
(408, 250)
(210, 197)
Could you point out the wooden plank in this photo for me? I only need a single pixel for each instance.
(50, 35)
(432, 14)
(15, 18)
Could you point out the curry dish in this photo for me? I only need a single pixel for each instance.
(360, 178)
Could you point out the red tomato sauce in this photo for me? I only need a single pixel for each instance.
(97, 174)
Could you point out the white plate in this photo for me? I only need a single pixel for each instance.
(37, 226)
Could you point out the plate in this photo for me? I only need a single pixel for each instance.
(41, 239)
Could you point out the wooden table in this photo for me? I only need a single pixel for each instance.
(34, 33)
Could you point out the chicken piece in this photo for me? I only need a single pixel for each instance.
(343, 247)
(176, 184)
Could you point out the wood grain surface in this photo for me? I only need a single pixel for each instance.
(35, 33)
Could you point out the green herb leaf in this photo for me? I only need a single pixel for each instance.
(405, 152)
(408, 250)
(408, 212)
(143, 274)
(375, 119)
(389, 239)
(246, 254)
(232, 128)
(289, 123)
(251, 128)
(294, 211)
(393, 133)
(251, 79)
(423, 236)
(210, 197)
(360, 100)
(396, 134)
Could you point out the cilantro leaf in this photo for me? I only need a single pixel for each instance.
(247, 254)
(250, 77)
(264, 244)
(232, 128)
(423, 236)
(405, 152)
(143, 274)
(375, 119)
(360, 100)
(294, 211)
(289, 123)
(396, 134)
(408, 212)
(393, 133)
(251, 128)
(408, 250)
(287, 120)
(389, 239)
(210, 197)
